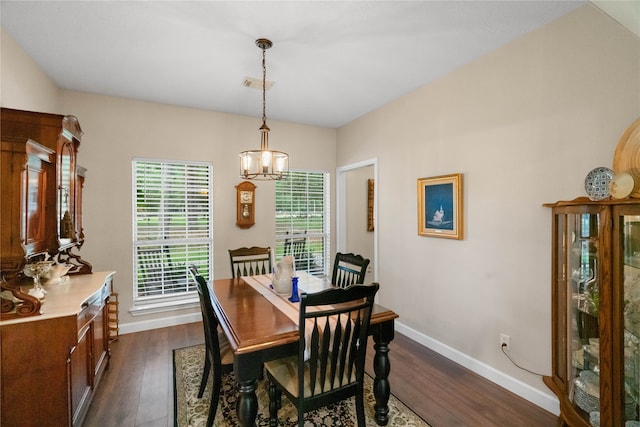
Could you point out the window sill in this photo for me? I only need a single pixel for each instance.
(141, 308)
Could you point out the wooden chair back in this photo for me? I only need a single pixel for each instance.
(349, 269)
(213, 357)
(332, 347)
(152, 262)
(157, 272)
(296, 247)
(209, 319)
(250, 261)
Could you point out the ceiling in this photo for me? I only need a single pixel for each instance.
(331, 61)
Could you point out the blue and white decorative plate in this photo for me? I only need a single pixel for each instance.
(597, 183)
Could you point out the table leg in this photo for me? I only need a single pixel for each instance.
(247, 407)
(247, 369)
(383, 334)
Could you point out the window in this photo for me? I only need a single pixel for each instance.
(172, 229)
(302, 220)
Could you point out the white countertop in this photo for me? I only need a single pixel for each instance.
(67, 299)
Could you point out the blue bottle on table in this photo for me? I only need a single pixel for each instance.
(295, 297)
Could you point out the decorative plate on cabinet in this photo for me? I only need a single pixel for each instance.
(621, 185)
(597, 183)
(626, 157)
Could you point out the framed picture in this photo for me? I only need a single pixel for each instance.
(440, 210)
(370, 184)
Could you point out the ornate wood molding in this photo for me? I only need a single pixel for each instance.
(80, 266)
(18, 304)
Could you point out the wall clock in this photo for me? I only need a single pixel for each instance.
(245, 204)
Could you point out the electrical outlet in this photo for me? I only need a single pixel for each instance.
(505, 341)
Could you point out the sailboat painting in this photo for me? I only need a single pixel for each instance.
(440, 206)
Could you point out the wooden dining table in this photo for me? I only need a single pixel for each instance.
(259, 330)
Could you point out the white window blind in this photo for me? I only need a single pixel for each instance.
(172, 227)
(302, 214)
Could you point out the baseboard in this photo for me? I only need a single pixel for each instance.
(546, 401)
(146, 325)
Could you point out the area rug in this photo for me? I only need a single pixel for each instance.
(191, 411)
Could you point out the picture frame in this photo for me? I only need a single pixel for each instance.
(370, 192)
(440, 208)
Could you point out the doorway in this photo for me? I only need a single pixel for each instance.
(353, 227)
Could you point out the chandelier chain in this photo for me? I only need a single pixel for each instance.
(264, 87)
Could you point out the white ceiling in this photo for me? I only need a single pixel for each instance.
(332, 61)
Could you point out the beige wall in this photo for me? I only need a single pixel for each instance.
(524, 124)
(23, 85)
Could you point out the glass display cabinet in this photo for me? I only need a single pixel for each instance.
(596, 312)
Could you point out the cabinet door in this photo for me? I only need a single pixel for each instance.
(28, 200)
(100, 342)
(580, 265)
(81, 374)
(36, 180)
(35, 365)
(626, 319)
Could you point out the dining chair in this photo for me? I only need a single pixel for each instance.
(349, 269)
(296, 247)
(219, 355)
(329, 366)
(157, 271)
(250, 261)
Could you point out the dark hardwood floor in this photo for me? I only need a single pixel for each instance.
(137, 389)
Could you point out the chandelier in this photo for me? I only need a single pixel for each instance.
(264, 164)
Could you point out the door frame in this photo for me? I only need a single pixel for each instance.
(341, 207)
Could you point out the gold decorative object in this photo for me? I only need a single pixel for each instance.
(626, 157)
(66, 226)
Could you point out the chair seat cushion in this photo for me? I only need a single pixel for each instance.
(285, 372)
(226, 353)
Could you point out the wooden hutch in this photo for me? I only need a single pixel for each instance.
(53, 350)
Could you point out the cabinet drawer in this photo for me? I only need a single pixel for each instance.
(106, 290)
(86, 315)
(90, 309)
